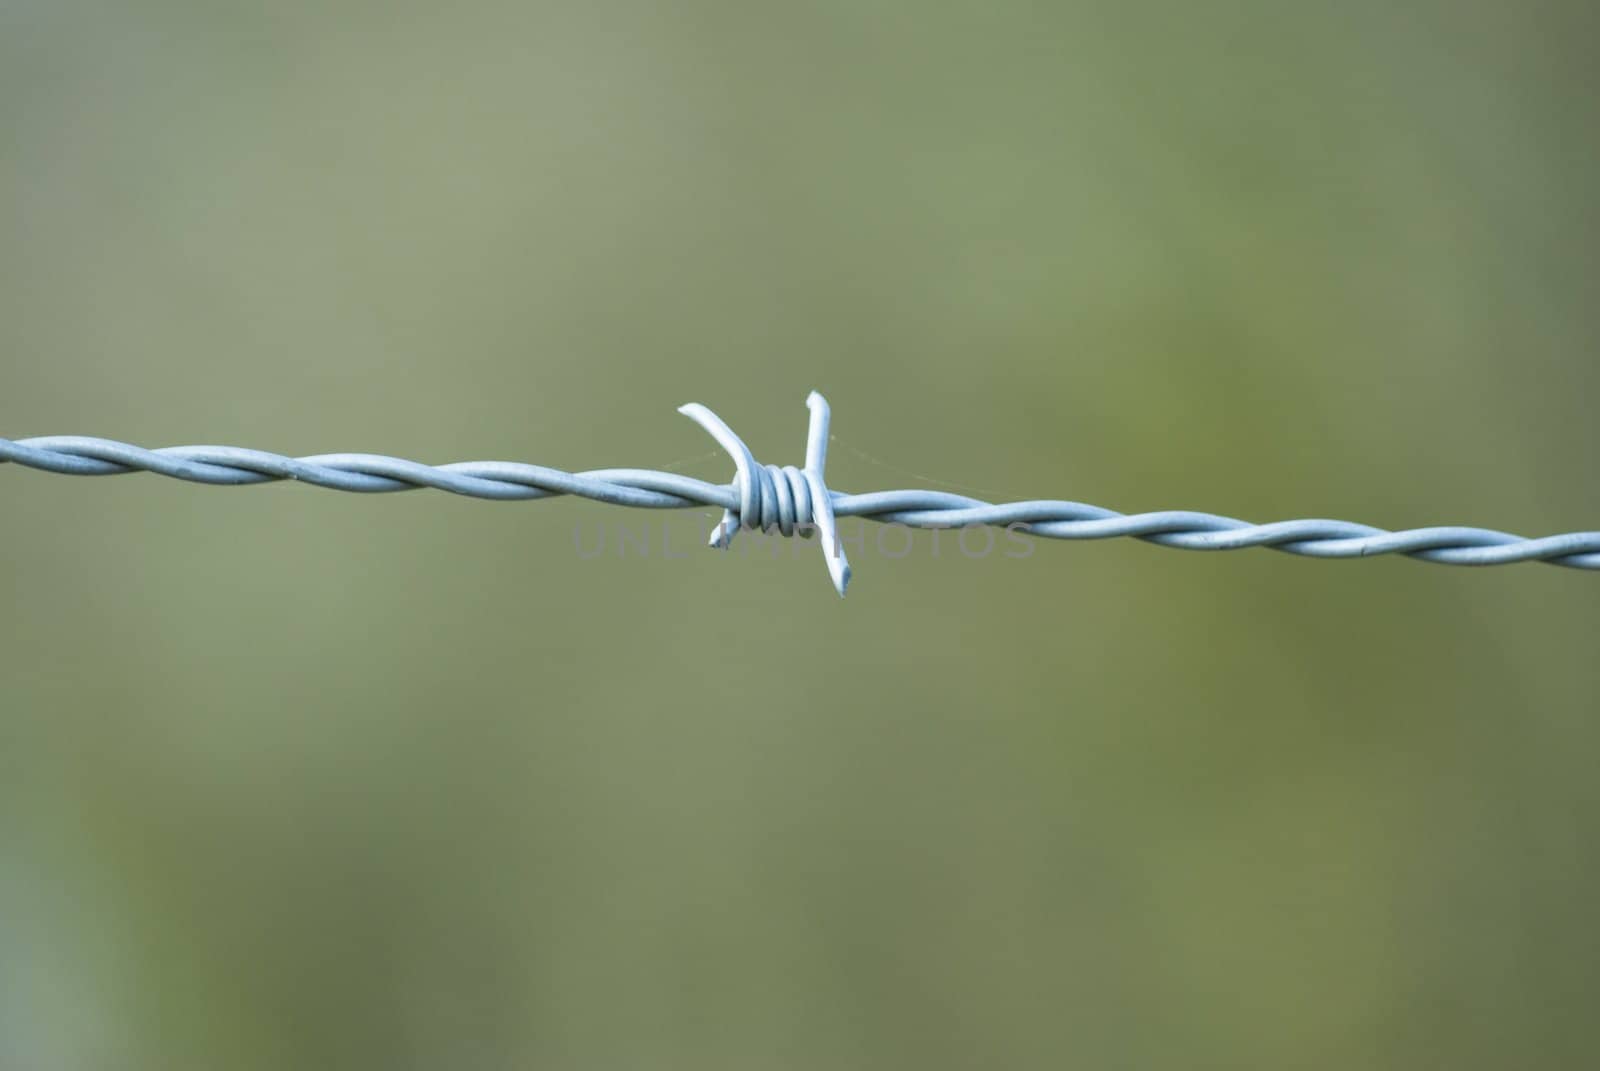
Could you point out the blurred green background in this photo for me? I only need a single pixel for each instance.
(292, 778)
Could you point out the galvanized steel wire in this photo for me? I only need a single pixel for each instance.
(793, 501)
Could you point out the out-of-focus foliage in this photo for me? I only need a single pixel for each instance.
(290, 778)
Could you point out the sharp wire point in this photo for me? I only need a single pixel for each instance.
(794, 501)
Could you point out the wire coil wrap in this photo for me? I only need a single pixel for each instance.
(794, 501)
(788, 499)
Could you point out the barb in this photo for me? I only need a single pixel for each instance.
(794, 501)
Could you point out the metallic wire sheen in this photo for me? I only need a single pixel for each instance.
(793, 501)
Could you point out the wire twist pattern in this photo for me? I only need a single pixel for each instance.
(794, 501)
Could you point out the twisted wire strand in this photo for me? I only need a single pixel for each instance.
(794, 501)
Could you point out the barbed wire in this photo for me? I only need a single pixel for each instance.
(794, 501)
